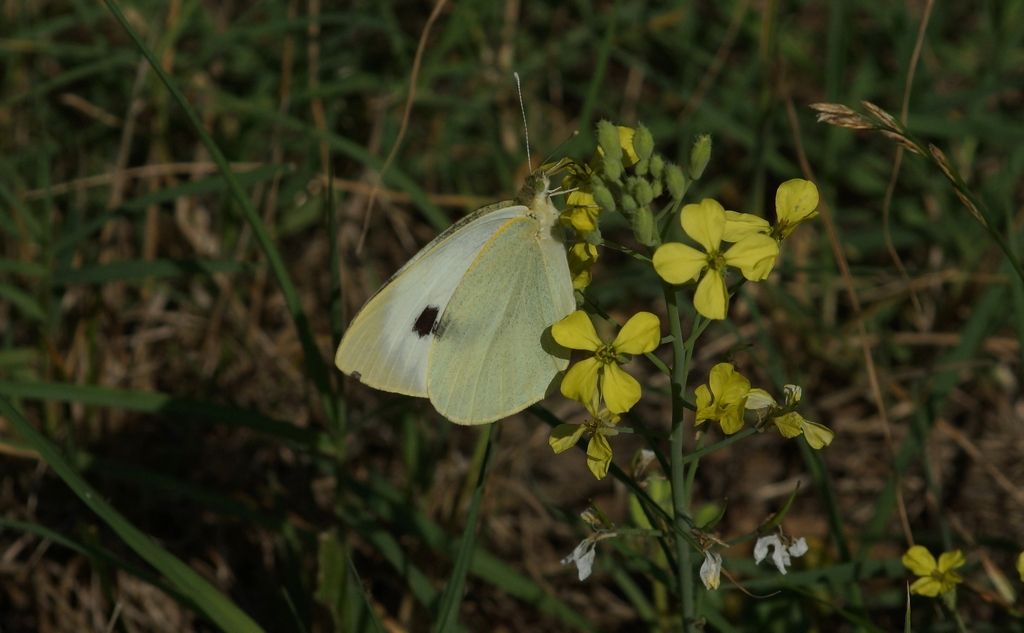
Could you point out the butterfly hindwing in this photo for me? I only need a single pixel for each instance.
(493, 355)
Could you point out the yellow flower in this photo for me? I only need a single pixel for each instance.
(796, 201)
(789, 422)
(935, 578)
(582, 257)
(581, 211)
(722, 398)
(599, 426)
(601, 373)
(676, 263)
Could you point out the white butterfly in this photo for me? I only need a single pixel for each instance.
(466, 321)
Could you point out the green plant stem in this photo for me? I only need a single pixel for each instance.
(680, 369)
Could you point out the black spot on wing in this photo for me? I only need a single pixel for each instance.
(426, 321)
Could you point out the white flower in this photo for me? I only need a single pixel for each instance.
(711, 569)
(783, 551)
(583, 556)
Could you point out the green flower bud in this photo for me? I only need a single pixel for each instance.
(629, 205)
(676, 181)
(641, 167)
(700, 154)
(644, 228)
(656, 188)
(643, 143)
(641, 190)
(657, 165)
(611, 150)
(603, 198)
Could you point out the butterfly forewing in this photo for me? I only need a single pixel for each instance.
(388, 342)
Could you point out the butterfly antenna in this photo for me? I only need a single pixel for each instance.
(522, 109)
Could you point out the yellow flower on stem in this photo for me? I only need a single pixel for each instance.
(582, 257)
(796, 201)
(600, 374)
(789, 422)
(599, 426)
(934, 577)
(722, 399)
(581, 211)
(754, 255)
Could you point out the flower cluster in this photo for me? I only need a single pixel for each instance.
(626, 176)
(728, 394)
(600, 379)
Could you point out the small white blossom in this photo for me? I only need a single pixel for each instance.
(641, 460)
(782, 553)
(583, 556)
(711, 570)
(793, 394)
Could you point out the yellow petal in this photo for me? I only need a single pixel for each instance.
(818, 435)
(919, 560)
(734, 389)
(719, 378)
(581, 280)
(926, 586)
(1020, 566)
(581, 210)
(796, 201)
(758, 399)
(951, 560)
(705, 223)
(599, 455)
(582, 256)
(629, 155)
(584, 252)
(677, 263)
(564, 436)
(620, 390)
(705, 406)
(731, 420)
(754, 255)
(580, 382)
(576, 331)
(790, 424)
(711, 298)
(740, 225)
(640, 334)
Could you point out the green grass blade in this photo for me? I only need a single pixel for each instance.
(453, 592)
(207, 599)
(314, 361)
(22, 302)
(163, 404)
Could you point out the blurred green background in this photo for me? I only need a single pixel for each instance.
(144, 330)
